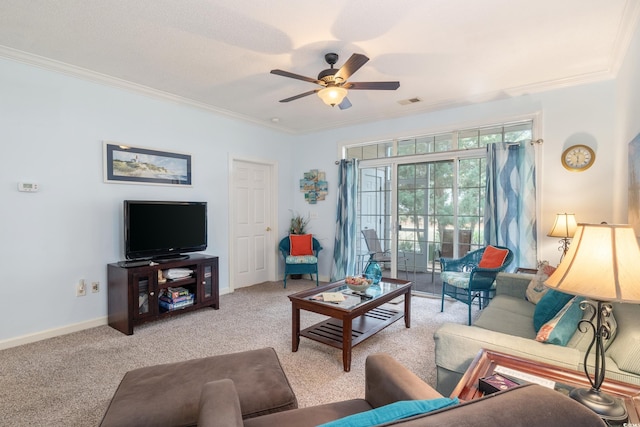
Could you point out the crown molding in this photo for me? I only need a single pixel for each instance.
(96, 77)
(628, 25)
(627, 28)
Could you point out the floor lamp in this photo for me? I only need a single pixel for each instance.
(564, 227)
(602, 266)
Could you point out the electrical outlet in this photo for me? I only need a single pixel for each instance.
(81, 288)
(95, 287)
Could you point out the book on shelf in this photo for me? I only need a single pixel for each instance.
(174, 293)
(176, 305)
(170, 300)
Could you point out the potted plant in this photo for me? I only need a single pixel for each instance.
(298, 224)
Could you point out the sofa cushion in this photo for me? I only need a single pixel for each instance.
(625, 349)
(537, 288)
(549, 305)
(508, 315)
(392, 412)
(562, 327)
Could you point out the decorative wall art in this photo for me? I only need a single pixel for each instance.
(634, 184)
(314, 186)
(134, 165)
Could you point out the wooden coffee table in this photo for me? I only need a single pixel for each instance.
(353, 320)
(563, 380)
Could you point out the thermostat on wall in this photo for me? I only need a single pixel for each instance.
(28, 187)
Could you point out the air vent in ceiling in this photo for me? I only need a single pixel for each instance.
(409, 101)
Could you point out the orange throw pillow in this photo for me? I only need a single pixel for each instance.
(493, 257)
(301, 244)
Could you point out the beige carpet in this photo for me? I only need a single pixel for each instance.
(69, 380)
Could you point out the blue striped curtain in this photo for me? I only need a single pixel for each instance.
(344, 248)
(510, 209)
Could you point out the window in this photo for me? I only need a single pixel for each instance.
(425, 195)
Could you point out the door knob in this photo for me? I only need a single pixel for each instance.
(268, 228)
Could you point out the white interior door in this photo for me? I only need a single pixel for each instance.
(251, 210)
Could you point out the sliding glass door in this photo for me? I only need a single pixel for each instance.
(423, 198)
(440, 208)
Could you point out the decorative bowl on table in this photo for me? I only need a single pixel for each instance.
(358, 284)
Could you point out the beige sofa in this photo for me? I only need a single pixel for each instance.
(506, 325)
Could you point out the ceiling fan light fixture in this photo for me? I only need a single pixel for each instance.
(332, 95)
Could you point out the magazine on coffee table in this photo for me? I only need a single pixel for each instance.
(522, 377)
(339, 299)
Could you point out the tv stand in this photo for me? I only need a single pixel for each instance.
(135, 287)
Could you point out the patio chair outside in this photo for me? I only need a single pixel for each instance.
(376, 253)
(446, 248)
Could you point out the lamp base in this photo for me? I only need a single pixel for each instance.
(607, 407)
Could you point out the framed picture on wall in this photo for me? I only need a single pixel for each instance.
(136, 165)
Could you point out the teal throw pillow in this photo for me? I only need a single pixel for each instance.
(563, 325)
(392, 412)
(548, 306)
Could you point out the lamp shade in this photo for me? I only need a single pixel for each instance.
(603, 263)
(332, 95)
(564, 226)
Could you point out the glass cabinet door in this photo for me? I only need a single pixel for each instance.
(207, 280)
(145, 299)
(208, 277)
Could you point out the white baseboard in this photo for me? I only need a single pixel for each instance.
(51, 333)
(64, 330)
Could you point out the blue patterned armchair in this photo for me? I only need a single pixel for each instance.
(463, 280)
(304, 264)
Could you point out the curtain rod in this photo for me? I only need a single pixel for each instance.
(538, 141)
(531, 141)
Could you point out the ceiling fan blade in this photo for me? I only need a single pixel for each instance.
(352, 65)
(345, 104)
(302, 95)
(372, 85)
(296, 76)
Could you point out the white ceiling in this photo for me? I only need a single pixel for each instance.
(217, 54)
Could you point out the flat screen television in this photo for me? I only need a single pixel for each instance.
(164, 230)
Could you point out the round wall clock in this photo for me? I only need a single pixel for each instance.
(578, 158)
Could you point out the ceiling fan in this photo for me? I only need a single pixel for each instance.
(334, 81)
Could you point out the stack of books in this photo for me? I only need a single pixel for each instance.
(175, 298)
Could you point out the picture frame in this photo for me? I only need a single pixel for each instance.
(314, 185)
(125, 164)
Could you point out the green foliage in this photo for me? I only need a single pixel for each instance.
(298, 223)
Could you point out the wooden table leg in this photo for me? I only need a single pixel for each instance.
(295, 328)
(346, 344)
(407, 309)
